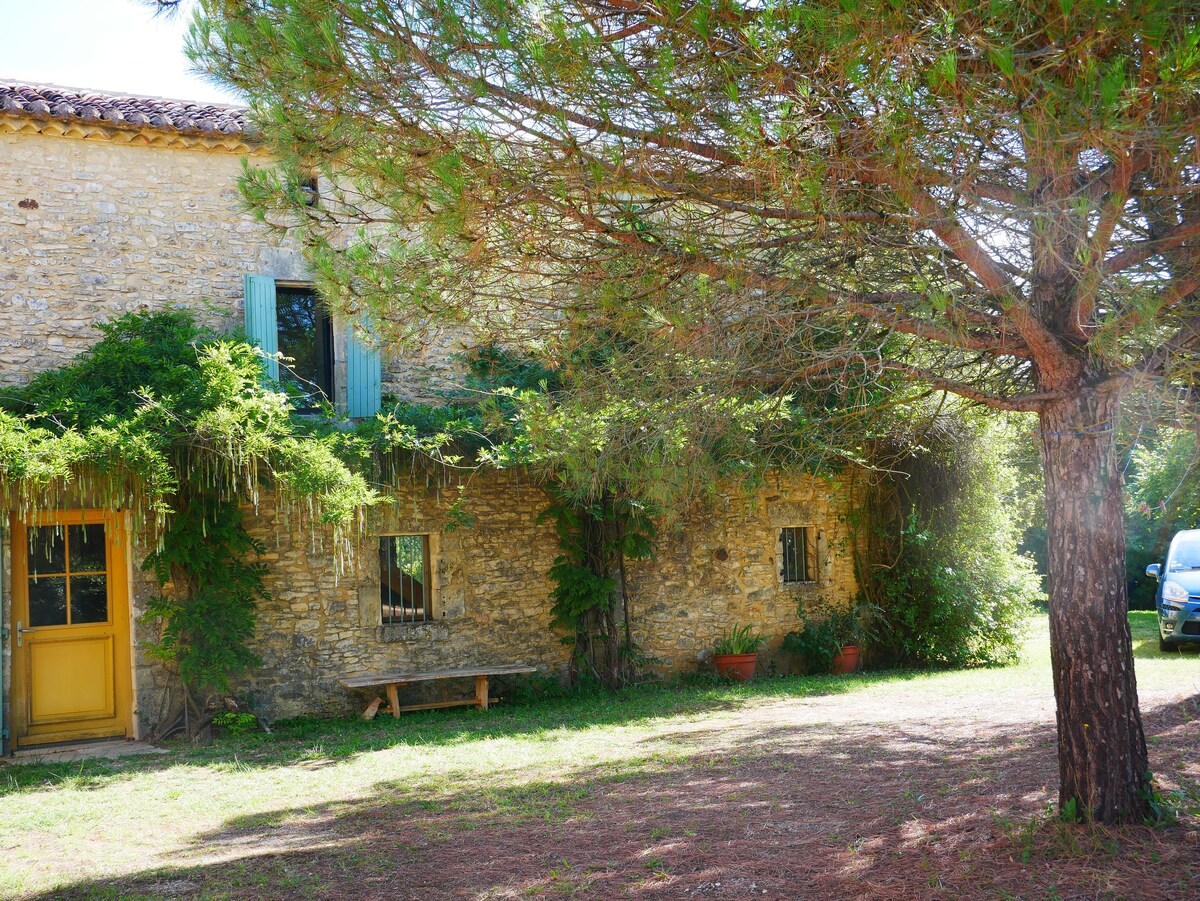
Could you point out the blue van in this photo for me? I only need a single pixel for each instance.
(1178, 597)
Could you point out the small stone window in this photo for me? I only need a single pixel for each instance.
(405, 579)
(798, 554)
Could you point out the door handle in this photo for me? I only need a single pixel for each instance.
(21, 632)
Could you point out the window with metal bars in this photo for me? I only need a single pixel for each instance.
(404, 579)
(799, 552)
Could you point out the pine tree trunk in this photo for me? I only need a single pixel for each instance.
(1103, 764)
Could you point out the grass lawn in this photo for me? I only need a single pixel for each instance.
(890, 785)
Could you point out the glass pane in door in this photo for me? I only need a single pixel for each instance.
(48, 601)
(87, 548)
(47, 550)
(89, 599)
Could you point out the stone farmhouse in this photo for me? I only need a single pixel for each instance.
(115, 203)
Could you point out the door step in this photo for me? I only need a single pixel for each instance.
(83, 750)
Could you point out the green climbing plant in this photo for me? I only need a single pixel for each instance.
(178, 426)
(591, 593)
(209, 561)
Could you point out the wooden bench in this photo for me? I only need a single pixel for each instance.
(391, 683)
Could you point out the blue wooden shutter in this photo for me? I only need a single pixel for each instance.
(261, 326)
(364, 370)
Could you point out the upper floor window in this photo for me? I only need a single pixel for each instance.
(305, 334)
(288, 320)
(799, 552)
(311, 189)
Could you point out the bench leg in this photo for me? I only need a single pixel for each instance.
(481, 692)
(393, 694)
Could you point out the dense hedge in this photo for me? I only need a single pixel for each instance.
(941, 557)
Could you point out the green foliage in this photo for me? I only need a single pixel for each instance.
(475, 423)
(956, 592)
(236, 723)
(1164, 807)
(1070, 811)
(157, 402)
(942, 611)
(1162, 497)
(178, 425)
(577, 591)
(593, 541)
(208, 616)
(824, 632)
(816, 644)
(589, 591)
(622, 433)
(739, 640)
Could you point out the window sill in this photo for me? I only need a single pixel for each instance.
(807, 584)
(422, 632)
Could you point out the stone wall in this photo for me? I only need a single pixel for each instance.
(491, 600)
(490, 603)
(722, 567)
(92, 228)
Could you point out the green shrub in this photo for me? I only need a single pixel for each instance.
(824, 632)
(208, 619)
(956, 592)
(816, 644)
(236, 723)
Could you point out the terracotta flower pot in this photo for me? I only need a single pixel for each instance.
(846, 661)
(736, 666)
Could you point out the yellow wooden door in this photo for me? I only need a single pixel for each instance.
(71, 673)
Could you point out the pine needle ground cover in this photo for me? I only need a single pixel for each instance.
(892, 785)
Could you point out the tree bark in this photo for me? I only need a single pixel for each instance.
(598, 637)
(1103, 766)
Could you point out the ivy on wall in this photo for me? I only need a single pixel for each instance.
(178, 427)
(591, 593)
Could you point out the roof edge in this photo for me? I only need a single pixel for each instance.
(144, 137)
(86, 113)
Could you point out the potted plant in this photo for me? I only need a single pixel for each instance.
(832, 643)
(736, 654)
(815, 643)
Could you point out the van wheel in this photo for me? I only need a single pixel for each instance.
(1164, 645)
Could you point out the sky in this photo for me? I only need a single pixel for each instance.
(117, 46)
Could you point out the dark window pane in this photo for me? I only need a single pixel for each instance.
(403, 560)
(305, 335)
(795, 555)
(47, 550)
(89, 599)
(48, 601)
(87, 548)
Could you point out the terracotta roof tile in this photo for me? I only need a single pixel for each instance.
(122, 110)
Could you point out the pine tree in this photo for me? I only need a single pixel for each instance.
(999, 200)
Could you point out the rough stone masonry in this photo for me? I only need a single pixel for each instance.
(98, 218)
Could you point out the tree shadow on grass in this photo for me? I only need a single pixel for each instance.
(322, 742)
(875, 811)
